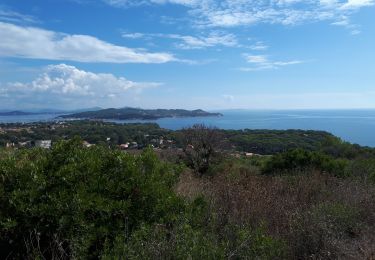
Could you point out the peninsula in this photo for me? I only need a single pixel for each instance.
(129, 113)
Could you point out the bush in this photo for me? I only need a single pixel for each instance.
(72, 201)
(362, 169)
(299, 160)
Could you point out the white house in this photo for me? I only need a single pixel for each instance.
(46, 144)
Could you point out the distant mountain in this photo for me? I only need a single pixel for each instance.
(15, 113)
(45, 111)
(138, 113)
(60, 111)
(86, 110)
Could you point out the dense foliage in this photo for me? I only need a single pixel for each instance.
(300, 160)
(265, 142)
(94, 132)
(275, 141)
(75, 201)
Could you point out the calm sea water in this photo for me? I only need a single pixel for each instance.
(355, 126)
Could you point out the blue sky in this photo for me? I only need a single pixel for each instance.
(261, 54)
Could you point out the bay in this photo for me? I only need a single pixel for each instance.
(355, 126)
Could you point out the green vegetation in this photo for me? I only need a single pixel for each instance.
(94, 132)
(313, 199)
(265, 142)
(300, 160)
(275, 141)
(76, 202)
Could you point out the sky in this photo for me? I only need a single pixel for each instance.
(208, 54)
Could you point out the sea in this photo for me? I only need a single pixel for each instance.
(354, 126)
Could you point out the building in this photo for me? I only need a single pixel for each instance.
(46, 144)
(9, 145)
(24, 144)
(124, 146)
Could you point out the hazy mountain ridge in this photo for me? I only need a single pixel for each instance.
(26, 112)
(15, 113)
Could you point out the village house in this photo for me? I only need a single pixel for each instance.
(124, 146)
(251, 154)
(46, 144)
(9, 145)
(24, 144)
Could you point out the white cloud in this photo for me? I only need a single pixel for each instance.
(261, 62)
(344, 21)
(59, 83)
(125, 3)
(7, 15)
(35, 43)
(258, 46)
(255, 58)
(355, 32)
(133, 35)
(230, 13)
(212, 39)
(128, 3)
(355, 4)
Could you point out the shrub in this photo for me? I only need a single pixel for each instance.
(72, 201)
(362, 169)
(300, 160)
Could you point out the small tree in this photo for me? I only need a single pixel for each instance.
(200, 144)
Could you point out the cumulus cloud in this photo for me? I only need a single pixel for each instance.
(31, 42)
(262, 62)
(63, 83)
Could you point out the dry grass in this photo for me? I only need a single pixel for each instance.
(319, 216)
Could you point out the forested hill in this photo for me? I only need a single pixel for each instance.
(138, 113)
